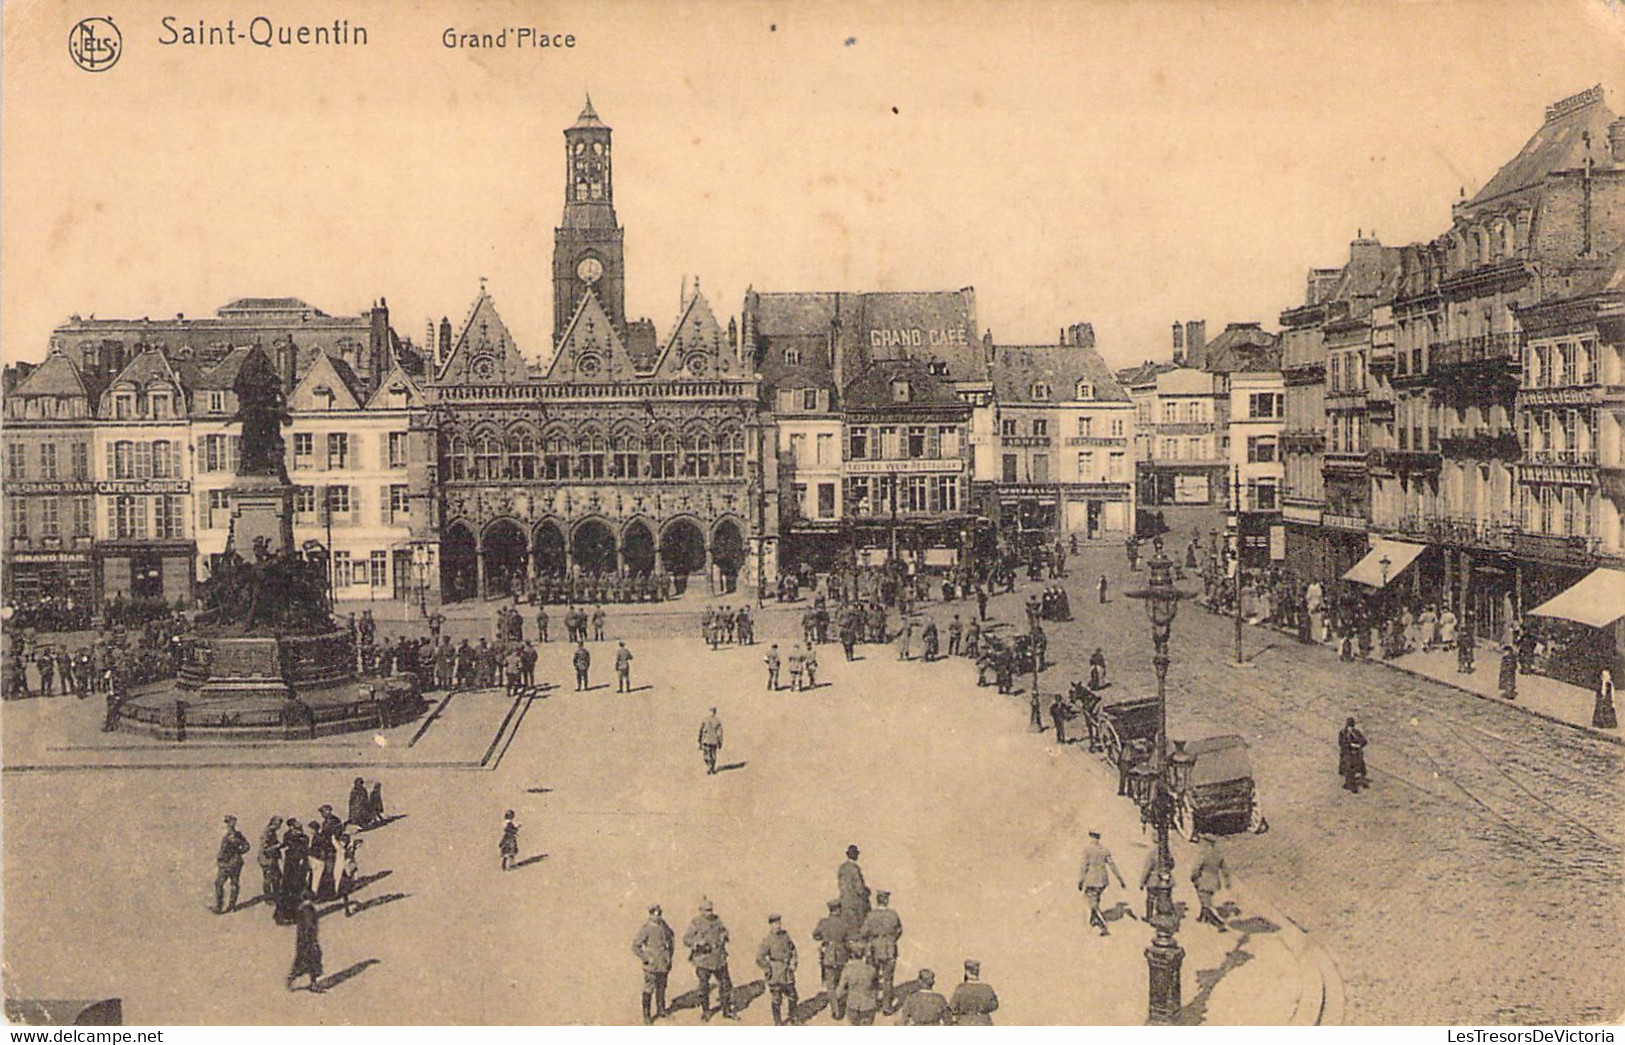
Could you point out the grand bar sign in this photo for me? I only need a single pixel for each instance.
(104, 486)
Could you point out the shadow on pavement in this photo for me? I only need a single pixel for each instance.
(1195, 1011)
(348, 973)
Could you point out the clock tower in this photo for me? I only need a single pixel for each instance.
(587, 245)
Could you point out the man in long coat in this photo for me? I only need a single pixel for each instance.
(854, 892)
(654, 945)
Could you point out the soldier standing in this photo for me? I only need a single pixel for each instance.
(707, 943)
(623, 669)
(974, 1002)
(1210, 875)
(772, 662)
(831, 934)
(858, 990)
(711, 741)
(270, 850)
(881, 931)
(925, 1007)
(582, 660)
(776, 957)
(1092, 878)
(854, 892)
(653, 945)
(229, 866)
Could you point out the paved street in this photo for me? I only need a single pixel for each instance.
(1477, 880)
(975, 824)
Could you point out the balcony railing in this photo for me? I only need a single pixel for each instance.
(1549, 456)
(1562, 550)
(1482, 443)
(1482, 348)
(1463, 531)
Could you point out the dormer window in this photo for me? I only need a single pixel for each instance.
(900, 392)
(1040, 392)
(1086, 390)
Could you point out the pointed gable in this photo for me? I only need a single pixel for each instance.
(397, 390)
(323, 387)
(147, 373)
(57, 376)
(590, 352)
(697, 346)
(485, 353)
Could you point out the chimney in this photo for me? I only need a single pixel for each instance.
(1179, 344)
(1195, 342)
(287, 360)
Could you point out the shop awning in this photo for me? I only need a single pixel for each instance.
(1369, 570)
(1597, 601)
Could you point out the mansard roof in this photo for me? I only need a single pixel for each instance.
(1017, 368)
(1560, 144)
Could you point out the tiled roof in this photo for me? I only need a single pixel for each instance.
(57, 376)
(1558, 145)
(872, 389)
(1242, 348)
(1016, 368)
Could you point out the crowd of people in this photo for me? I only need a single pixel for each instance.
(857, 952)
(290, 883)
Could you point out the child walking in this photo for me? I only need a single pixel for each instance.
(509, 846)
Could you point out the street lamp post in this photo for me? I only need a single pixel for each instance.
(1164, 956)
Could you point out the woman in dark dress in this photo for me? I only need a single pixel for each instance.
(295, 871)
(1351, 757)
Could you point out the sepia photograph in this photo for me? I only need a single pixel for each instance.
(1027, 514)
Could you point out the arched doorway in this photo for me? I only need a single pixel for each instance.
(593, 549)
(638, 549)
(504, 548)
(458, 579)
(728, 552)
(547, 550)
(682, 552)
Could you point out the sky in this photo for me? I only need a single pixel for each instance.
(1125, 163)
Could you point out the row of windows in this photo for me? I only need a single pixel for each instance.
(881, 494)
(52, 513)
(1010, 426)
(621, 456)
(317, 505)
(52, 459)
(900, 442)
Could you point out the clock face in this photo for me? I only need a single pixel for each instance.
(591, 270)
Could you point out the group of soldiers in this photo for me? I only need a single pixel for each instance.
(720, 626)
(857, 957)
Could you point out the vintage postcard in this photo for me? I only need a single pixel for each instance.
(967, 513)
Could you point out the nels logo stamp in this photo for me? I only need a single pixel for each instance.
(95, 44)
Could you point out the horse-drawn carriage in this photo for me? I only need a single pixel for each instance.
(1218, 796)
(1215, 793)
